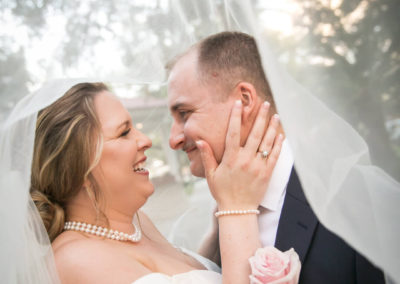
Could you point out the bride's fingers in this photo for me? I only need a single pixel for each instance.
(207, 157)
(270, 134)
(274, 155)
(257, 132)
(232, 141)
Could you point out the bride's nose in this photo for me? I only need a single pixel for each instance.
(143, 142)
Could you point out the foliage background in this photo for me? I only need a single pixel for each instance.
(343, 51)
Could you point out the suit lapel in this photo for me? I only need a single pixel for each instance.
(297, 222)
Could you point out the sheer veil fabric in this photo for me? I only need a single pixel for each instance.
(351, 181)
(26, 253)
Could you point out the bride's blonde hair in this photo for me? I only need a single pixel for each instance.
(68, 145)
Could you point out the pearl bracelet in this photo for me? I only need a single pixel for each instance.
(237, 212)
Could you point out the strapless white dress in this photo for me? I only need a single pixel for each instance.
(210, 276)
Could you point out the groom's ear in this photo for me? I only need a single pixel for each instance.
(249, 98)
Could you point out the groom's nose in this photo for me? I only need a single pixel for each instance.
(176, 137)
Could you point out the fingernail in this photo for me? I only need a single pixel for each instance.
(238, 103)
(276, 117)
(199, 143)
(266, 104)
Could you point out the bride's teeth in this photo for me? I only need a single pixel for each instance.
(139, 167)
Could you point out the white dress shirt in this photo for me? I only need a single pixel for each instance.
(271, 205)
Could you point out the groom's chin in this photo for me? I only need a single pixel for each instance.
(197, 169)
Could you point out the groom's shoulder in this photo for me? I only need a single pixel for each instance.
(336, 261)
(328, 255)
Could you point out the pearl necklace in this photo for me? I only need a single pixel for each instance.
(104, 232)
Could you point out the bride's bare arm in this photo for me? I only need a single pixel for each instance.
(239, 182)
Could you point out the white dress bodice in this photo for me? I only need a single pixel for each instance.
(210, 276)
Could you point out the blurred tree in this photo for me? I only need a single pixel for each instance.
(351, 49)
(13, 78)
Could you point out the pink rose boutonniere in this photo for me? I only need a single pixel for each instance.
(270, 265)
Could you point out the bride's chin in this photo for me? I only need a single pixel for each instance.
(151, 191)
(148, 192)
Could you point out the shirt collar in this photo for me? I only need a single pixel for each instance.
(279, 178)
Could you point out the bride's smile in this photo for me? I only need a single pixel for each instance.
(110, 197)
(121, 171)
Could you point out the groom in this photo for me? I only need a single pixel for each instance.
(203, 84)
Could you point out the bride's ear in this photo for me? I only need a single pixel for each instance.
(87, 188)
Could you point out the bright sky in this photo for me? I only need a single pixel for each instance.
(277, 15)
(43, 56)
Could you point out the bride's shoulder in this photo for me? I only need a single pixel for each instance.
(85, 260)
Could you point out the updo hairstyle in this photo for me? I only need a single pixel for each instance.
(68, 144)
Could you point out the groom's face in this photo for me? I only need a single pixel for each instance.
(198, 113)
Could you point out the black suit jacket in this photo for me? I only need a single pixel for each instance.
(325, 257)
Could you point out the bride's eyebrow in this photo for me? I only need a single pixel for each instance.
(124, 124)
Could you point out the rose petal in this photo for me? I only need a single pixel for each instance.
(268, 264)
(293, 273)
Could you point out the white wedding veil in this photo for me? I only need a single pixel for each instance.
(333, 67)
(26, 255)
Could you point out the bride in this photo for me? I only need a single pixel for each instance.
(89, 181)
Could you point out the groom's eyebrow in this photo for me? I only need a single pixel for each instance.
(177, 106)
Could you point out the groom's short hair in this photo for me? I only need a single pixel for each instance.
(226, 58)
(231, 57)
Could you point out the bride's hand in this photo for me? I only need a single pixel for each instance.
(241, 179)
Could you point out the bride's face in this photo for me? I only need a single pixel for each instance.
(120, 172)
